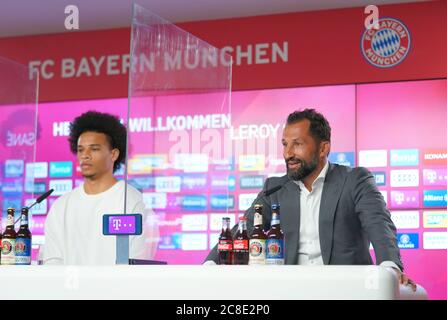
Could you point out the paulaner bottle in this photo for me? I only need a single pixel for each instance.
(23, 240)
(240, 243)
(225, 245)
(257, 239)
(275, 239)
(9, 240)
(1, 235)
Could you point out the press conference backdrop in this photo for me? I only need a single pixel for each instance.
(394, 129)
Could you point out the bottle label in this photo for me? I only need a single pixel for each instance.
(23, 251)
(274, 261)
(275, 249)
(257, 251)
(240, 244)
(225, 246)
(23, 220)
(257, 219)
(275, 219)
(10, 220)
(8, 252)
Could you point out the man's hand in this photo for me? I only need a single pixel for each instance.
(403, 279)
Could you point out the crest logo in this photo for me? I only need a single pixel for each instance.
(388, 46)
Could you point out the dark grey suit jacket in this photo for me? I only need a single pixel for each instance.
(352, 214)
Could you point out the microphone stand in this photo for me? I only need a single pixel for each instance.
(38, 200)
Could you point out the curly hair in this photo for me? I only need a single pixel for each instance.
(319, 128)
(104, 123)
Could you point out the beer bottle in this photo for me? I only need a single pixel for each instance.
(257, 239)
(9, 240)
(23, 240)
(1, 235)
(275, 239)
(225, 245)
(240, 244)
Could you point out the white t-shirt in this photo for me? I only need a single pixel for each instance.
(73, 228)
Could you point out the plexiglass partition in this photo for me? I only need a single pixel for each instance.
(178, 127)
(18, 135)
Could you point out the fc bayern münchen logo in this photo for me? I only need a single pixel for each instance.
(388, 46)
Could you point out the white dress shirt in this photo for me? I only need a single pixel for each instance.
(309, 250)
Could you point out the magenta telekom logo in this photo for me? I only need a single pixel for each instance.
(405, 199)
(435, 177)
(116, 223)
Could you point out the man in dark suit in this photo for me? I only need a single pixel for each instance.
(329, 213)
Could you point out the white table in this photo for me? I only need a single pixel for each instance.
(192, 282)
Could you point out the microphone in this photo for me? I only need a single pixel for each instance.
(38, 200)
(41, 198)
(272, 190)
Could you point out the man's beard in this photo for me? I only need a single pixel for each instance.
(304, 170)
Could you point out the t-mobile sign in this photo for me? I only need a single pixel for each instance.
(122, 225)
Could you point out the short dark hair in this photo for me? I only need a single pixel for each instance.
(104, 123)
(319, 127)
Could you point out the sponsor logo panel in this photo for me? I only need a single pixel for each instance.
(435, 219)
(408, 240)
(405, 199)
(245, 200)
(379, 177)
(61, 186)
(405, 219)
(37, 170)
(194, 222)
(435, 157)
(435, 198)
(251, 163)
(194, 241)
(435, 240)
(61, 169)
(404, 178)
(373, 158)
(14, 168)
(343, 158)
(404, 157)
(435, 177)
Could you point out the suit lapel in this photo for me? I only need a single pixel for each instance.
(332, 188)
(289, 198)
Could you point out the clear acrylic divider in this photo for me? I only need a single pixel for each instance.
(178, 130)
(18, 136)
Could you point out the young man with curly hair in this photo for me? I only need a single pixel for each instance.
(73, 229)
